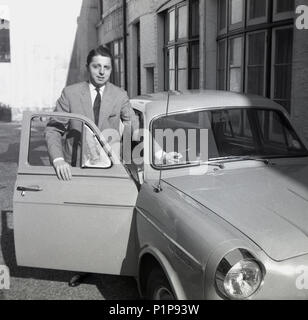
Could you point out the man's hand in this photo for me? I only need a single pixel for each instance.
(63, 170)
(172, 158)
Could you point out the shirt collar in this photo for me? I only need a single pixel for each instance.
(93, 88)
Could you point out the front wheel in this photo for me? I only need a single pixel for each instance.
(158, 287)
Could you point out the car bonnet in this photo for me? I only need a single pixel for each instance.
(268, 204)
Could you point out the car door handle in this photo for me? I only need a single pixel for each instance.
(30, 189)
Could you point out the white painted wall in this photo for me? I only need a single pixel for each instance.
(42, 40)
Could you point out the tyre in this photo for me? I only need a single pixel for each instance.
(158, 287)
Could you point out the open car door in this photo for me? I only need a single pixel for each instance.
(86, 224)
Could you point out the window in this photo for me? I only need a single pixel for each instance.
(232, 132)
(257, 11)
(182, 46)
(254, 52)
(256, 63)
(235, 64)
(117, 50)
(283, 9)
(80, 146)
(236, 13)
(282, 66)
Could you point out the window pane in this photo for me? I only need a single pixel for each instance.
(195, 84)
(256, 62)
(257, 8)
(172, 25)
(284, 40)
(283, 66)
(236, 52)
(235, 80)
(183, 22)
(222, 65)
(235, 83)
(182, 80)
(222, 14)
(171, 59)
(236, 11)
(171, 80)
(285, 5)
(182, 57)
(71, 140)
(256, 49)
(194, 17)
(195, 56)
(116, 48)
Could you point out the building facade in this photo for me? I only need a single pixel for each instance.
(249, 46)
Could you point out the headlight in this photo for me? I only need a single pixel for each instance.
(239, 275)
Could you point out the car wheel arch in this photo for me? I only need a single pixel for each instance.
(150, 258)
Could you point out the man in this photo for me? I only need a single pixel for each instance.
(98, 99)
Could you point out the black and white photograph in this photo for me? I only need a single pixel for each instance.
(154, 150)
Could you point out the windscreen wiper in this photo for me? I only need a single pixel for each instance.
(245, 158)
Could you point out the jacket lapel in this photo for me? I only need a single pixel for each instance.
(106, 105)
(86, 101)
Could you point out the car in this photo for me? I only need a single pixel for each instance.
(228, 221)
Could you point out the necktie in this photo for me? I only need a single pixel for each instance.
(97, 105)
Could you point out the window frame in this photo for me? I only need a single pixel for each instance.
(189, 41)
(242, 60)
(259, 20)
(272, 88)
(283, 15)
(265, 60)
(237, 25)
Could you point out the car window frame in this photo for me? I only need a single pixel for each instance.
(265, 108)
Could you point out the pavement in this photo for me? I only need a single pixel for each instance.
(38, 284)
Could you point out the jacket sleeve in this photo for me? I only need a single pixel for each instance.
(56, 128)
(128, 115)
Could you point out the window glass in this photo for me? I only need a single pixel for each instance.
(80, 146)
(236, 132)
(222, 14)
(71, 140)
(182, 79)
(182, 57)
(257, 8)
(194, 18)
(256, 63)
(235, 66)
(283, 66)
(94, 156)
(182, 46)
(194, 66)
(171, 69)
(222, 65)
(172, 25)
(285, 6)
(236, 11)
(183, 22)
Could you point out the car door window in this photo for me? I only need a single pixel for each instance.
(80, 146)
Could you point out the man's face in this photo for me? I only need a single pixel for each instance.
(100, 70)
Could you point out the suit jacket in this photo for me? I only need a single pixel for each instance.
(115, 106)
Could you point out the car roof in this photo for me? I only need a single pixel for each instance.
(156, 104)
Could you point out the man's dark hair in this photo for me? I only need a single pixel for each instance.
(100, 51)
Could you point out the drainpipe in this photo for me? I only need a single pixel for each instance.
(125, 42)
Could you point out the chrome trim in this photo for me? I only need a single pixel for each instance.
(170, 239)
(98, 205)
